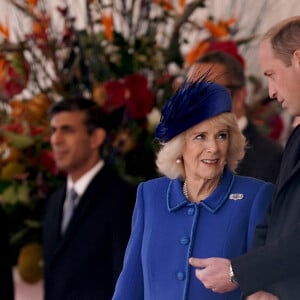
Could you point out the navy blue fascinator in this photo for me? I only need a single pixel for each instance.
(191, 104)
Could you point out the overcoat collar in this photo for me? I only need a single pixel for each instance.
(177, 200)
(291, 160)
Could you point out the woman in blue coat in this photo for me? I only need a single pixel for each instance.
(200, 208)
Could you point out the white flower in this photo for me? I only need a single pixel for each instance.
(153, 118)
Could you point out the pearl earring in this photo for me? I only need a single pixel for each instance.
(178, 160)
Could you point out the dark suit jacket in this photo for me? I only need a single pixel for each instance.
(84, 264)
(6, 282)
(263, 156)
(274, 264)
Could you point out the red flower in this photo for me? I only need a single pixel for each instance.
(230, 47)
(115, 95)
(47, 161)
(163, 79)
(141, 98)
(14, 74)
(36, 130)
(132, 92)
(14, 127)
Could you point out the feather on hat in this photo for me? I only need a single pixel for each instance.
(194, 102)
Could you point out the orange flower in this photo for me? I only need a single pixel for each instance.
(182, 3)
(2, 67)
(99, 93)
(40, 26)
(196, 53)
(32, 3)
(166, 4)
(4, 30)
(221, 29)
(124, 141)
(32, 110)
(37, 108)
(107, 21)
(8, 153)
(18, 109)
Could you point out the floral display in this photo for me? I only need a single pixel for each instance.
(28, 171)
(265, 114)
(129, 58)
(14, 73)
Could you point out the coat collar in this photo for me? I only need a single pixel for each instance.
(176, 199)
(290, 164)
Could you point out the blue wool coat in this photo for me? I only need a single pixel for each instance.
(167, 229)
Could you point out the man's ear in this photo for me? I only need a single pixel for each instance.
(242, 94)
(98, 137)
(239, 97)
(296, 56)
(238, 101)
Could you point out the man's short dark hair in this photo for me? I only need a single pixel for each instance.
(95, 117)
(234, 71)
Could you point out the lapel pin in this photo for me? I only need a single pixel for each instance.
(236, 196)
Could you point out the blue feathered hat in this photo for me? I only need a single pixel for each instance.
(191, 104)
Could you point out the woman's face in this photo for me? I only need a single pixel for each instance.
(205, 150)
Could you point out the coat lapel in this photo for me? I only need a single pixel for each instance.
(54, 230)
(81, 211)
(285, 178)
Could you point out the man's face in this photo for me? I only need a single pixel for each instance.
(283, 81)
(74, 149)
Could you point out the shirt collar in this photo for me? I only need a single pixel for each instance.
(81, 184)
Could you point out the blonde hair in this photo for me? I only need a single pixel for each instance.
(171, 151)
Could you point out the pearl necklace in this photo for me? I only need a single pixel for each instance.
(185, 191)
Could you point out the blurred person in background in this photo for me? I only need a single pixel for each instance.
(87, 221)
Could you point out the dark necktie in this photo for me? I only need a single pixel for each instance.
(69, 208)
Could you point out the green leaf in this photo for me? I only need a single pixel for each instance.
(19, 141)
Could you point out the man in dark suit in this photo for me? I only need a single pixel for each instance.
(84, 235)
(6, 280)
(271, 271)
(263, 155)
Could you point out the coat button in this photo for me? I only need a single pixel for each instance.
(180, 276)
(184, 240)
(191, 211)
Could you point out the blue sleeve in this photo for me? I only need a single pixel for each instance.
(130, 284)
(259, 210)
